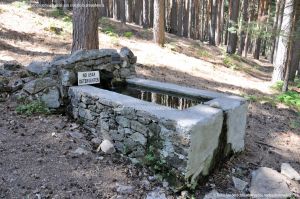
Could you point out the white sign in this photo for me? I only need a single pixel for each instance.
(88, 77)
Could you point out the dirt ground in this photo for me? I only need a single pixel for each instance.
(37, 159)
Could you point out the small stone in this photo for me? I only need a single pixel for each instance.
(216, 195)
(268, 181)
(290, 172)
(74, 126)
(107, 147)
(76, 135)
(99, 158)
(165, 184)
(215, 105)
(51, 98)
(38, 85)
(12, 65)
(124, 189)
(96, 141)
(38, 68)
(156, 194)
(80, 151)
(239, 184)
(138, 137)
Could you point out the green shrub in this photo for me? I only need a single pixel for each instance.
(228, 62)
(34, 107)
(110, 31)
(290, 98)
(57, 13)
(203, 53)
(20, 4)
(277, 86)
(128, 34)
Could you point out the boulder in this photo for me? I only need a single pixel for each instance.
(156, 194)
(17, 85)
(38, 85)
(239, 184)
(124, 189)
(107, 147)
(216, 195)
(12, 65)
(267, 182)
(51, 98)
(290, 172)
(80, 151)
(67, 77)
(4, 87)
(38, 68)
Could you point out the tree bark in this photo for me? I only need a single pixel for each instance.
(213, 20)
(115, 9)
(122, 11)
(232, 41)
(173, 20)
(295, 49)
(275, 28)
(145, 13)
(244, 22)
(128, 7)
(85, 25)
(283, 43)
(180, 17)
(159, 22)
(220, 22)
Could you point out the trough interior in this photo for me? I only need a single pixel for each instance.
(165, 98)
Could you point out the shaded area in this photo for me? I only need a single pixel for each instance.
(171, 100)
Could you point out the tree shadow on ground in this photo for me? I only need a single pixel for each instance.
(166, 74)
(17, 50)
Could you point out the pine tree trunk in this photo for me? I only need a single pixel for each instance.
(220, 22)
(261, 13)
(122, 11)
(145, 13)
(159, 22)
(85, 25)
(295, 59)
(213, 20)
(180, 17)
(283, 43)
(173, 20)
(128, 6)
(244, 22)
(186, 18)
(232, 41)
(115, 9)
(151, 10)
(138, 12)
(197, 19)
(275, 28)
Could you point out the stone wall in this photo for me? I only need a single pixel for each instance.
(183, 144)
(51, 80)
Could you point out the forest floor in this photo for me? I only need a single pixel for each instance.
(36, 155)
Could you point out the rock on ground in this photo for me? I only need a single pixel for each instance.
(268, 182)
(290, 172)
(216, 195)
(239, 184)
(51, 98)
(107, 147)
(124, 189)
(156, 194)
(38, 68)
(80, 151)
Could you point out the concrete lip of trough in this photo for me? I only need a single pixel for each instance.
(189, 142)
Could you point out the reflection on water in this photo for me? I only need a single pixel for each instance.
(160, 97)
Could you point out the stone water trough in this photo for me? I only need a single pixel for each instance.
(181, 132)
